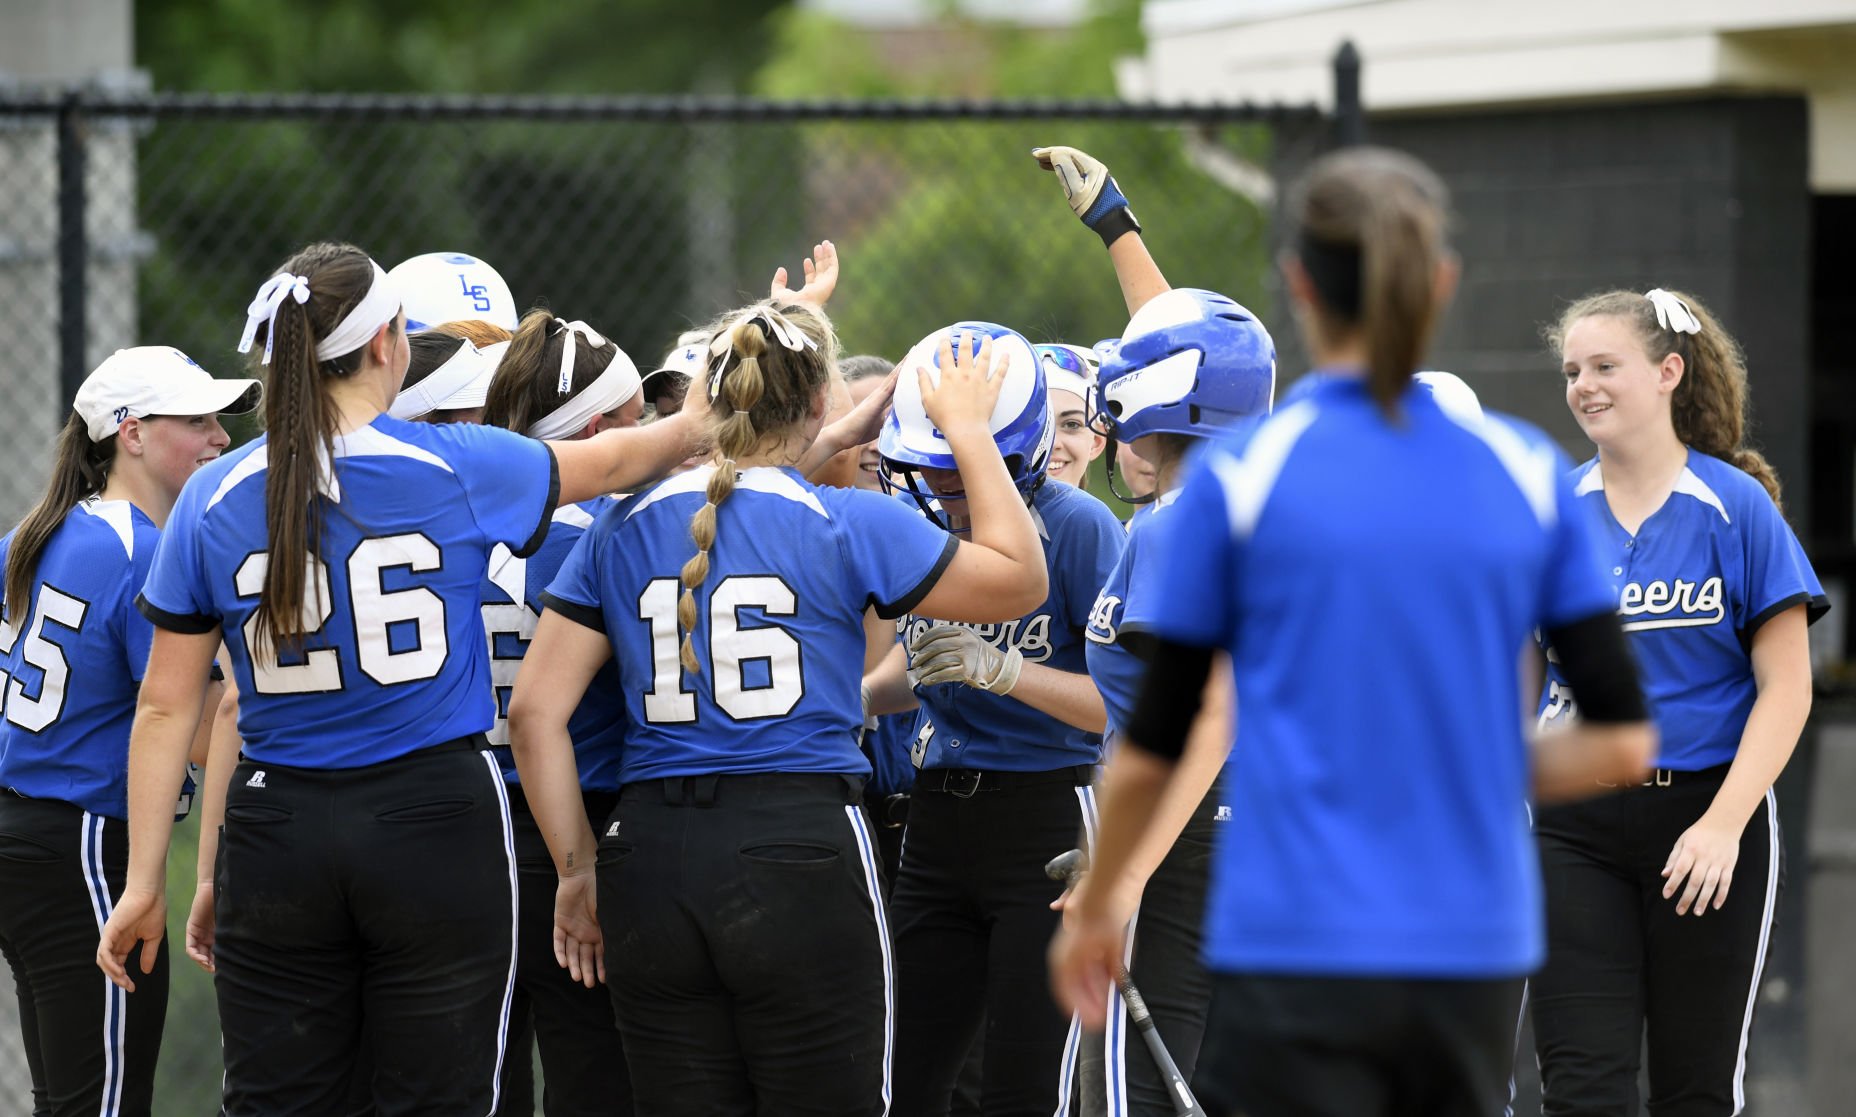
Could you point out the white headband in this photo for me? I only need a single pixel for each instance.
(787, 334)
(1672, 313)
(612, 387)
(459, 369)
(571, 330)
(378, 307)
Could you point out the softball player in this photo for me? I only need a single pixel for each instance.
(1190, 364)
(1372, 567)
(737, 889)
(1005, 757)
(366, 883)
(72, 651)
(1716, 594)
(1070, 378)
(561, 380)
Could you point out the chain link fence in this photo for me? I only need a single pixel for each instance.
(152, 219)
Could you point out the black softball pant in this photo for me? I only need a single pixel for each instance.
(746, 948)
(1287, 1046)
(1620, 960)
(369, 906)
(582, 1060)
(1164, 960)
(973, 923)
(90, 1047)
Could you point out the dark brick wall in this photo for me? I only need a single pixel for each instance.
(1708, 196)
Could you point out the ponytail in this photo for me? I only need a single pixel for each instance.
(1371, 237)
(761, 391)
(527, 387)
(80, 468)
(300, 424)
(1709, 406)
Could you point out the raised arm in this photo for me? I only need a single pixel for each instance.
(1097, 199)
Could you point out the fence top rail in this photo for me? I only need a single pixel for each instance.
(671, 109)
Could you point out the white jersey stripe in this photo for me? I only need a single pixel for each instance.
(515, 907)
(1765, 938)
(866, 852)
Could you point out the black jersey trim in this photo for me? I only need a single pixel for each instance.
(1138, 642)
(1171, 693)
(192, 624)
(908, 601)
(217, 674)
(1814, 608)
(547, 509)
(1596, 661)
(588, 616)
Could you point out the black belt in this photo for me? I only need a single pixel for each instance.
(704, 790)
(1669, 777)
(964, 783)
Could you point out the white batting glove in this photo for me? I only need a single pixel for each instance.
(951, 653)
(1093, 193)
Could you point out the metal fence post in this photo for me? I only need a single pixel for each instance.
(1349, 115)
(73, 248)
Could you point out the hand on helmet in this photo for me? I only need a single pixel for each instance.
(950, 653)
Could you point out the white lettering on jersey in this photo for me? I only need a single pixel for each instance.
(1101, 628)
(1682, 605)
(1030, 635)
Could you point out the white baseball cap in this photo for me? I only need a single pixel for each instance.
(441, 287)
(686, 360)
(156, 380)
(1455, 398)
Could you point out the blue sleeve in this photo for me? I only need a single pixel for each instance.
(894, 552)
(1573, 583)
(1092, 544)
(1194, 594)
(1142, 579)
(133, 629)
(1778, 575)
(177, 595)
(511, 483)
(574, 593)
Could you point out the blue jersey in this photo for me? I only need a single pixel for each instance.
(1375, 583)
(1703, 572)
(511, 609)
(971, 728)
(1125, 608)
(779, 620)
(889, 745)
(71, 662)
(396, 659)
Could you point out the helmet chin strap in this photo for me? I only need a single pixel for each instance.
(1114, 475)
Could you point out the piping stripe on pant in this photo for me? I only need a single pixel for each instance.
(866, 850)
(1073, 1043)
(1765, 938)
(115, 1003)
(515, 912)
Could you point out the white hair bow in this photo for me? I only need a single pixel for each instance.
(264, 306)
(778, 328)
(1672, 313)
(573, 329)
